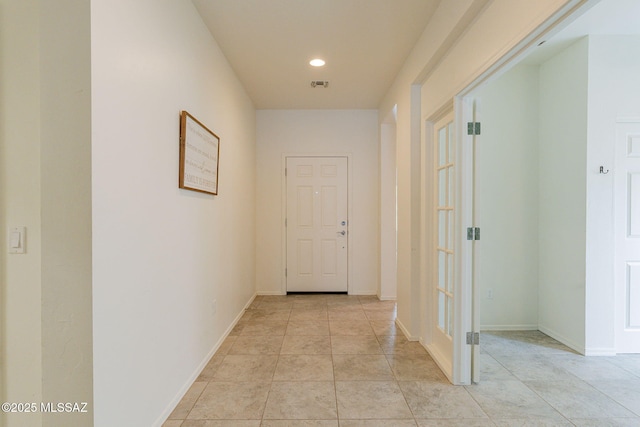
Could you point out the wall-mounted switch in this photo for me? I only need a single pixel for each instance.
(17, 240)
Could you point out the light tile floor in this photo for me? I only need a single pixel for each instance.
(340, 361)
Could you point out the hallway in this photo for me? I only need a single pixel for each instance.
(338, 360)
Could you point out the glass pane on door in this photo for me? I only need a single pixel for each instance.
(442, 301)
(442, 147)
(442, 269)
(442, 187)
(442, 229)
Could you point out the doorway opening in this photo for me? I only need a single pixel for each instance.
(545, 203)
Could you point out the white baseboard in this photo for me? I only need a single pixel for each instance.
(600, 351)
(405, 331)
(261, 293)
(183, 390)
(508, 327)
(556, 336)
(387, 298)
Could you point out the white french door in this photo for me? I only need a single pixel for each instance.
(627, 237)
(317, 224)
(452, 282)
(443, 279)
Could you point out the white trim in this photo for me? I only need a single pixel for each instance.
(387, 298)
(364, 294)
(508, 327)
(600, 352)
(194, 376)
(405, 331)
(271, 293)
(283, 215)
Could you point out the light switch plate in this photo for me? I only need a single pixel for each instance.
(17, 240)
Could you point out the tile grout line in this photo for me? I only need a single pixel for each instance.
(266, 401)
(333, 369)
(194, 402)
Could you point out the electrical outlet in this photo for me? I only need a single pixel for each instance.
(214, 306)
(490, 294)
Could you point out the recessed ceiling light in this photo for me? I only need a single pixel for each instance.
(317, 62)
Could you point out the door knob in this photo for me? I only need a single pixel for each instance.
(342, 233)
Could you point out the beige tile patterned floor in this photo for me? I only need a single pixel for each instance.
(340, 361)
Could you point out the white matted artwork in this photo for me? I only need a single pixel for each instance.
(199, 151)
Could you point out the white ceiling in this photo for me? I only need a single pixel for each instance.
(270, 43)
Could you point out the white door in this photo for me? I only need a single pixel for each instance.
(441, 346)
(317, 224)
(627, 237)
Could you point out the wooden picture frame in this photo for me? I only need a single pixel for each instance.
(199, 156)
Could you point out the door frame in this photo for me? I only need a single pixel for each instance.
(283, 214)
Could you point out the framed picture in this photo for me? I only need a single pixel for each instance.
(199, 150)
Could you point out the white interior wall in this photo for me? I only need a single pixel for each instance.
(562, 192)
(20, 275)
(614, 90)
(507, 200)
(65, 78)
(319, 132)
(162, 255)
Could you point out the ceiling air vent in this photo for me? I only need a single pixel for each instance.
(321, 83)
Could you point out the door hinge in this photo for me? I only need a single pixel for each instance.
(473, 338)
(473, 128)
(286, 272)
(473, 233)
